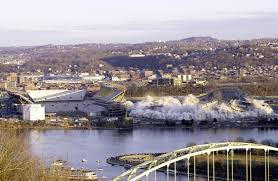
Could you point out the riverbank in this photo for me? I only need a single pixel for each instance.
(40, 127)
(134, 126)
(76, 124)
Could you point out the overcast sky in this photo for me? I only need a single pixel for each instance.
(35, 22)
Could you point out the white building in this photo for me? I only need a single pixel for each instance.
(33, 112)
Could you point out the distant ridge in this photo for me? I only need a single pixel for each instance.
(194, 39)
(199, 39)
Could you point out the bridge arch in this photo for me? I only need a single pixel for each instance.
(191, 152)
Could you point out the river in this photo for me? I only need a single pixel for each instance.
(93, 145)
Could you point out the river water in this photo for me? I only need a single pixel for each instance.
(94, 145)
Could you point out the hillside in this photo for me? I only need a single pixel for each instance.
(197, 51)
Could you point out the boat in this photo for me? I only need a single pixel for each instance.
(83, 174)
(100, 169)
(127, 166)
(84, 160)
(59, 163)
(71, 173)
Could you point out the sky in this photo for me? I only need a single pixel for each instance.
(37, 22)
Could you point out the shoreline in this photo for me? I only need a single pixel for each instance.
(247, 126)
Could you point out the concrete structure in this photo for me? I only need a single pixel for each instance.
(109, 95)
(111, 99)
(187, 156)
(56, 95)
(65, 101)
(104, 103)
(33, 112)
(87, 106)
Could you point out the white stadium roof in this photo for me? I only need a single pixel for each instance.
(56, 95)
